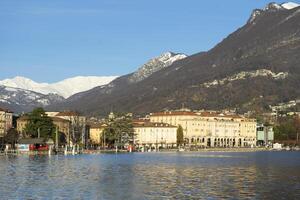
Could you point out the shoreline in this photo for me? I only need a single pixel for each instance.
(188, 151)
(95, 152)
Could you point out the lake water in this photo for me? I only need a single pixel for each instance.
(207, 175)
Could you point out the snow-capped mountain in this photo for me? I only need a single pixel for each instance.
(156, 64)
(21, 100)
(255, 66)
(290, 5)
(272, 7)
(286, 5)
(120, 84)
(63, 88)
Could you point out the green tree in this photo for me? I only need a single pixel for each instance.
(11, 137)
(180, 139)
(287, 128)
(119, 131)
(39, 122)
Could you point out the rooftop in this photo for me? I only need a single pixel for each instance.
(97, 125)
(218, 114)
(153, 124)
(57, 119)
(5, 110)
(68, 113)
(173, 113)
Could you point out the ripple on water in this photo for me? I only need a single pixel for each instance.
(152, 176)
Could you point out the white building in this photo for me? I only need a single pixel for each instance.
(155, 135)
(211, 128)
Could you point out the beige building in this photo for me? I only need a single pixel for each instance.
(155, 134)
(73, 117)
(63, 125)
(211, 129)
(6, 118)
(21, 124)
(174, 118)
(78, 125)
(96, 134)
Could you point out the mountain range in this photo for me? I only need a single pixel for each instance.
(64, 88)
(256, 66)
(21, 94)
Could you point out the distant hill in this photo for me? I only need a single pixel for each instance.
(255, 66)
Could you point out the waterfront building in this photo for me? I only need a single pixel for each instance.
(78, 124)
(6, 121)
(174, 118)
(265, 135)
(21, 124)
(63, 125)
(154, 135)
(211, 129)
(34, 144)
(74, 117)
(96, 133)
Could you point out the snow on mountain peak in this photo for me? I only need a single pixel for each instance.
(21, 82)
(290, 5)
(64, 88)
(287, 6)
(254, 15)
(156, 64)
(272, 7)
(169, 57)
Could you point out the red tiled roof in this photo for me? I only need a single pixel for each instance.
(5, 110)
(56, 119)
(173, 113)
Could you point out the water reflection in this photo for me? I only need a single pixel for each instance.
(152, 176)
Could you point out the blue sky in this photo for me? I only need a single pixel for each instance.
(51, 40)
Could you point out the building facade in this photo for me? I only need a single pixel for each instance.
(211, 129)
(155, 135)
(174, 118)
(63, 125)
(265, 135)
(21, 124)
(96, 134)
(78, 126)
(6, 121)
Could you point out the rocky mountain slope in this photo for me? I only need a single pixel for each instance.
(255, 66)
(20, 100)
